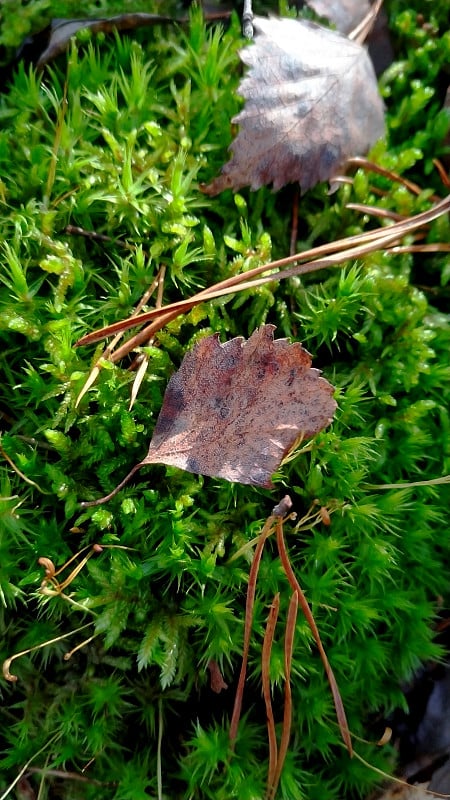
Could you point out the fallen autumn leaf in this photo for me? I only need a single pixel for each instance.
(234, 410)
(312, 102)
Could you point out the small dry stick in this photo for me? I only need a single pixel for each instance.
(75, 230)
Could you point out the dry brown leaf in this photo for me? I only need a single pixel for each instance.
(312, 101)
(233, 410)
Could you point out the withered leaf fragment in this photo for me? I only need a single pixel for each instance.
(233, 410)
(312, 102)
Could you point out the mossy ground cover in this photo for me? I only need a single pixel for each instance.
(115, 138)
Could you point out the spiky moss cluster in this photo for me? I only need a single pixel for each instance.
(115, 139)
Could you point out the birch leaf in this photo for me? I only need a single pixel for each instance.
(234, 410)
(312, 102)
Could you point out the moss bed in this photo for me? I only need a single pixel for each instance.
(115, 138)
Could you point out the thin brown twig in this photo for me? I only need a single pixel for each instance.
(71, 776)
(116, 490)
(370, 166)
(75, 230)
(442, 173)
(20, 473)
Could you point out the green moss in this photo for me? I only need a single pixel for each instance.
(115, 138)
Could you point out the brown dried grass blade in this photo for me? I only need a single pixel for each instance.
(251, 589)
(328, 255)
(8, 675)
(265, 678)
(287, 717)
(108, 352)
(442, 173)
(370, 166)
(361, 32)
(142, 369)
(338, 704)
(116, 490)
(375, 211)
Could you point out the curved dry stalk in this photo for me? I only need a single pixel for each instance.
(338, 704)
(375, 211)
(116, 490)
(442, 173)
(251, 590)
(287, 717)
(322, 257)
(20, 473)
(8, 661)
(410, 787)
(361, 32)
(50, 576)
(158, 284)
(67, 656)
(345, 180)
(26, 766)
(432, 482)
(370, 166)
(265, 678)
